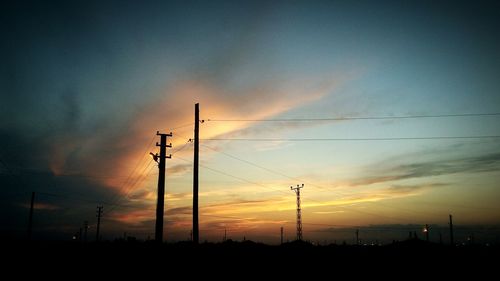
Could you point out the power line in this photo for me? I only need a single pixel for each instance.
(312, 184)
(357, 118)
(235, 177)
(273, 171)
(353, 139)
(281, 191)
(180, 126)
(131, 187)
(129, 179)
(181, 148)
(322, 188)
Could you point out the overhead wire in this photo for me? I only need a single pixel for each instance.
(352, 139)
(357, 118)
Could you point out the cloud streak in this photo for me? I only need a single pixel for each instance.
(472, 164)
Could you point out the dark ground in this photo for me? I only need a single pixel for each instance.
(411, 258)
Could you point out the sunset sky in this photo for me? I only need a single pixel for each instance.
(85, 85)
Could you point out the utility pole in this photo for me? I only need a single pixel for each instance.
(225, 235)
(282, 235)
(30, 221)
(357, 236)
(85, 227)
(160, 205)
(426, 231)
(196, 233)
(299, 214)
(99, 214)
(451, 231)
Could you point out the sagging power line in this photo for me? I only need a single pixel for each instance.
(353, 139)
(358, 118)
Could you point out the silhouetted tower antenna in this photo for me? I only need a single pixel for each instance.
(30, 220)
(85, 228)
(281, 235)
(299, 214)
(196, 234)
(357, 236)
(225, 235)
(160, 204)
(452, 243)
(99, 214)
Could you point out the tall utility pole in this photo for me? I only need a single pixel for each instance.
(160, 205)
(30, 221)
(282, 235)
(451, 231)
(299, 214)
(99, 214)
(357, 236)
(426, 231)
(85, 227)
(196, 233)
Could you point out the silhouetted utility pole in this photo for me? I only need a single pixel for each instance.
(225, 235)
(99, 214)
(30, 221)
(160, 205)
(451, 231)
(299, 214)
(426, 231)
(85, 227)
(281, 235)
(357, 236)
(196, 233)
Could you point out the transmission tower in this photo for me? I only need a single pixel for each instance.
(99, 214)
(299, 216)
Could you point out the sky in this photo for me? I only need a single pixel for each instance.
(85, 86)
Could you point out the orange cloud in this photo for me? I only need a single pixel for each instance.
(176, 108)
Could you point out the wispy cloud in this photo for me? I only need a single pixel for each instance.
(179, 169)
(179, 211)
(472, 164)
(265, 100)
(43, 206)
(412, 189)
(178, 196)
